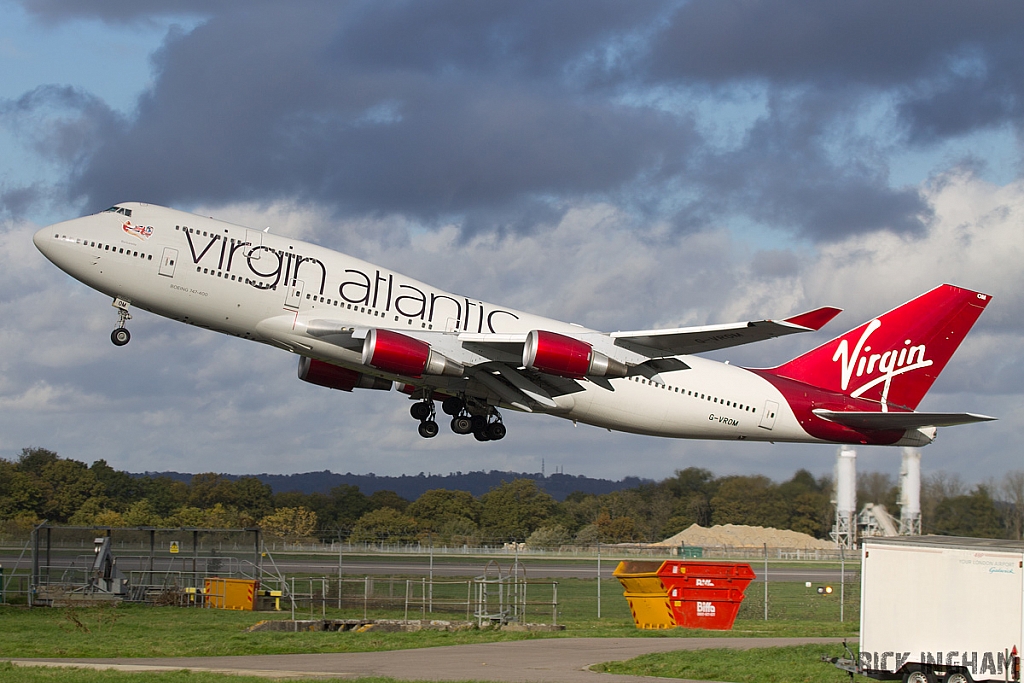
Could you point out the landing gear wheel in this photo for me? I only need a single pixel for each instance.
(120, 336)
(462, 425)
(479, 422)
(428, 429)
(452, 405)
(495, 431)
(481, 436)
(421, 410)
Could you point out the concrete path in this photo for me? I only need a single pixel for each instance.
(549, 660)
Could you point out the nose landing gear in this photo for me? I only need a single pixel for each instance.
(121, 336)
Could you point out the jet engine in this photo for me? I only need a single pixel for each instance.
(557, 354)
(403, 355)
(335, 377)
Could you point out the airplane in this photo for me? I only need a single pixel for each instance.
(355, 325)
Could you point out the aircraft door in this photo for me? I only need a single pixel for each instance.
(167, 261)
(768, 415)
(255, 239)
(293, 296)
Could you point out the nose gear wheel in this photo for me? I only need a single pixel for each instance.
(121, 336)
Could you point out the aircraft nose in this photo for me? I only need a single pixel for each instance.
(42, 239)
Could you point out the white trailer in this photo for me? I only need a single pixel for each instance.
(940, 608)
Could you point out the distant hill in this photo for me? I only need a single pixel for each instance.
(411, 487)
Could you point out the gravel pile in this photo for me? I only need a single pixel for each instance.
(742, 536)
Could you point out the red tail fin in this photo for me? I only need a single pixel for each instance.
(895, 358)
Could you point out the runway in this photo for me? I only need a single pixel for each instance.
(551, 660)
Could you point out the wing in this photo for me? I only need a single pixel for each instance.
(690, 340)
(873, 420)
(496, 361)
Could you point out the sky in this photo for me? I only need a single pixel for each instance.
(623, 165)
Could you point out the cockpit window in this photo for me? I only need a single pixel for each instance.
(120, 210)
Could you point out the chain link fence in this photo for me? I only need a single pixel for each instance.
(416, 580)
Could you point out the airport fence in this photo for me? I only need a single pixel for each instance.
(566, 583)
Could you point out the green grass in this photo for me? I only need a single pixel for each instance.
(140, 631)
(798, 664)
(136, 631)
(24, 674)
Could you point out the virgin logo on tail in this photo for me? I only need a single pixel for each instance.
(889, 363)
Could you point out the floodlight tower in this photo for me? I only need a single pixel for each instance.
(910, 493)
(844, 532)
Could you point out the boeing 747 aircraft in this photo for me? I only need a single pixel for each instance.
(354, 325)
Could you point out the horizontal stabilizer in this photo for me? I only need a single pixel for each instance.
(689, 340)
(876, 420)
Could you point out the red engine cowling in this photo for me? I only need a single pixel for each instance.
(403, 355)
(557, 354)
(335, 377)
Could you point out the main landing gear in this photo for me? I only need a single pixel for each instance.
(424, 412)
(484, 427)
(121, 336)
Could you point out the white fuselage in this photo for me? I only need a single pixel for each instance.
(274, 289)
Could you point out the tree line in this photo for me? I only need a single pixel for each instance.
(40, 485)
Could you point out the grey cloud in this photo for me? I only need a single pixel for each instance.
(462, 36)
(874, 43)
(952, 67)
(119, 11)
(499, 115)
(246, 106)
(63, 124)
(787, 173)
(16, 201)
(961, 104)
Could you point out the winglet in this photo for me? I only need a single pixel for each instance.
(816, 319)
